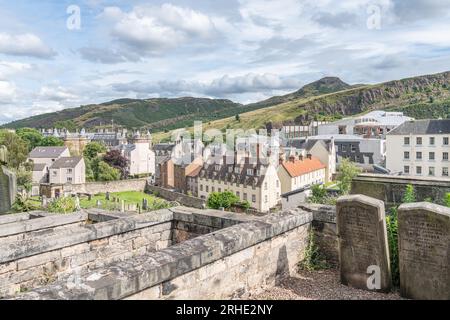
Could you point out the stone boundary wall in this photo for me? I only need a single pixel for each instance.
(181, 198)
(325, 230)
(224, 264)
(111, 186)
(390, 189)
(58, 253)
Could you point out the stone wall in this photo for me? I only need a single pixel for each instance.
(390, 189)
(325, 232)
(8, 189)
(46, 251)
(182, 199)
(111, 186)
(249, 254)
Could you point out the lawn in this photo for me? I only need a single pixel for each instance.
(130, 197)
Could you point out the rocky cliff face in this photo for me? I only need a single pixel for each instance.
(383, 96)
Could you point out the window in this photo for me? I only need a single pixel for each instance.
(245, 196)
(419, 141)
(201, 187)
(55, 173)
(431, 141)
(207, 188)
(69, 179)
(445, 141)
(236, 170)
(69, 171)
(431, 171)
(217, 168)
(445, 156)
(445, 172)
(220, 189)
(253, 198)
(213, 189)
(249, 172)
(353, 148)
(266, 199)
(258, 173)
(230, 169)
(406, 155)
(406, 141)
(419, 155)
(418, 170)
(278, 183)
(431, 156)
(406, 169)
(238, 194)
(265, 185)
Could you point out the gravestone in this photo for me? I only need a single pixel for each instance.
(122, 206)
(77, 203)
(144, 204)
(363, 247)
(424, 251)
(89, 197)
(99, 203)
(107, 196)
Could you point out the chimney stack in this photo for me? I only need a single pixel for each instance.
(309, 156)
(292, 159)
(300, 157)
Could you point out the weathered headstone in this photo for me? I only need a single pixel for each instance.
(89, 197)
(363, 247)
(122, 206)
(77, 203)
(99, 203)
(107, 196)
(144, 204)
(424, 251)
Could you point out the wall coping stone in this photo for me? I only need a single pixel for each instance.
(122, 279)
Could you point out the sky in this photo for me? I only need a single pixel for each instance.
(60, 54)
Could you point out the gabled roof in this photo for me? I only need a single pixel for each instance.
(195, 172)
(39, 166)
(423, 127)
(298, 167)
(66, 162)
(47, 152)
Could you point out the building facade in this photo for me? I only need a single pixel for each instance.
(253, 182)
(419, 148)
(68, 170)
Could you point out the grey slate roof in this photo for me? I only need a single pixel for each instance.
(422, 127)
(39, 166)
(47, 152)
(66, 162)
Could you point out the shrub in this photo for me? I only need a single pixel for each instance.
(23, 204)
(62, 205)
(447, 200)
(313, 259)
(347, 171)
(319, 193)
(224, 199)
(410, 195)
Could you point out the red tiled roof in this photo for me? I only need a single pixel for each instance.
(298, 167)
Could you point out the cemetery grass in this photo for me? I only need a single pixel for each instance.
(130, 197)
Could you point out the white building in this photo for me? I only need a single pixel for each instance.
(299, 172)
(68, 170)
(375, 124)
(140, 155)
(419, 148)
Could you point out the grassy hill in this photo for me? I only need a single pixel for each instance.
(327, 99)
(163, 114)
(420, 97)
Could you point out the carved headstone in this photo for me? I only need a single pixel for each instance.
(424, 251)
(144, 204)
(363, 247)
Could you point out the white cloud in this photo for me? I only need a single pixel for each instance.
(26, 44)
(58, 94)
(7, 92)
(8, 69)
(152, 29)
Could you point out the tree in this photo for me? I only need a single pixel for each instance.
(51, 142)
(32, 136)
(224, 199)
(347, 171)
(106, 173)
(238, 118)
(24, 178)
(17, 149)
(93, 149)
(319, 194)
(115, 159)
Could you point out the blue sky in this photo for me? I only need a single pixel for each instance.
(243, 50)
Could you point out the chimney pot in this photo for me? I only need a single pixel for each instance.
(309, 156)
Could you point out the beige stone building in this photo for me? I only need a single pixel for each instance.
(299, 172)
(256, 183)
